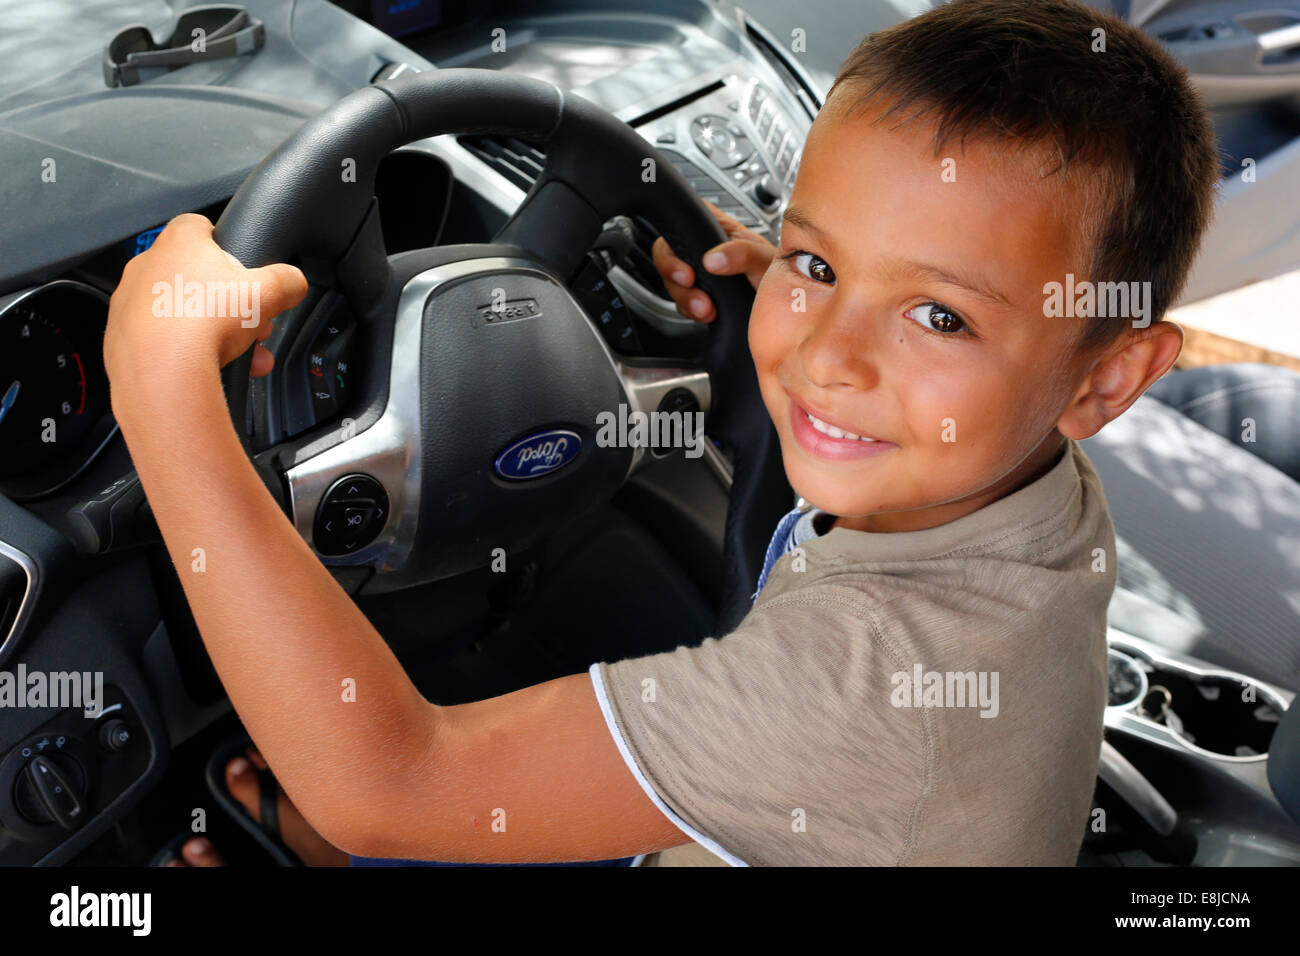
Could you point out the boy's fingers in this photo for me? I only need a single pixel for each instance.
(706, 312)
(695, 304)
(187, 223)
(733, 227)
(740, 257)
(670, 268)
(280, 286)
(679, 280)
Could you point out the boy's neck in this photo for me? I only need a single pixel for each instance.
(1035, 466)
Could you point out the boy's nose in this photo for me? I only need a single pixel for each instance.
(839, 350)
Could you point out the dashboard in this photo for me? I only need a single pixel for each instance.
(699, 80)
(408, 18)
(719, 103)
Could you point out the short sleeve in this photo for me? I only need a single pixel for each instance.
(778, 743)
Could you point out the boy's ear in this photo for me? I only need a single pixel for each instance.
(1119, 375)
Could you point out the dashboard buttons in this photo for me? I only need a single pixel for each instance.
(351, 514)
(48, 784)
(786, 158)
(65, 774)
(721, 139)
(766, 192)
(706, 186)
(114, 735)
(681, 401)
(51, 791)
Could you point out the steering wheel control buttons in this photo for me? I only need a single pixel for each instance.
(329, 368)
(351, 514)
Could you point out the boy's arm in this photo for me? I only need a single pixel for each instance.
(529, 776)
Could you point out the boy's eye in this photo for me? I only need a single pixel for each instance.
(818, 269)
(936, 317)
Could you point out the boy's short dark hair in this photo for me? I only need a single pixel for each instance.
(1024, 73)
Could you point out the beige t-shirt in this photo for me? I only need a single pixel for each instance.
(924, 698)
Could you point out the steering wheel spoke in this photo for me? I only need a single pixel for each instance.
(554, 223)
(675, 400)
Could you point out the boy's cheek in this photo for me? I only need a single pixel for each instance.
(765, 325)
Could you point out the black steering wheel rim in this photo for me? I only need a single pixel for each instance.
(300, 205)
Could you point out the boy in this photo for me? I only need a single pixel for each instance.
(922, 677)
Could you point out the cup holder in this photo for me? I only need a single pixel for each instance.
(1233, 717)
(1219, 712)
(1126, 678)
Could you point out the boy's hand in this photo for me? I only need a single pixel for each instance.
(185, 303)
(745, 251)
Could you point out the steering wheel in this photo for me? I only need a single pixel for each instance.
(481, 350)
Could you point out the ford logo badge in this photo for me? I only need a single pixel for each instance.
(538, 454)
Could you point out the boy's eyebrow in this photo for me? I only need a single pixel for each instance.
(974, 283)
(800, 218)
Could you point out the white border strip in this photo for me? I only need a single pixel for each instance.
(708, 843)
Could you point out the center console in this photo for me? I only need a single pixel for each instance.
(1204, 733)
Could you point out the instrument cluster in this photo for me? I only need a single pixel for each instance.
(54, 400)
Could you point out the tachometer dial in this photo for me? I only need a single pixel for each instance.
(52, 383)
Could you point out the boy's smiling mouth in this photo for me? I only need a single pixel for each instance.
(826, 440)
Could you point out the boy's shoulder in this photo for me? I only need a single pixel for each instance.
(831, 681)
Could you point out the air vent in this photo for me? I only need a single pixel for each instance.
(517, 161)
(13, 588)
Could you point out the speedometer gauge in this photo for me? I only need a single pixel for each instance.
(53, 389)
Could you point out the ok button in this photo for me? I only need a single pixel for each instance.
(351, 514)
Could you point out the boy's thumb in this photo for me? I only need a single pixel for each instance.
(282, 286)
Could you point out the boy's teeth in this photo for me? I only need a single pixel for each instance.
(834, 432)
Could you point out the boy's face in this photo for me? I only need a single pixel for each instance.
(870, 325)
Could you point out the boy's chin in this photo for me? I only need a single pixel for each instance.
(830, 496)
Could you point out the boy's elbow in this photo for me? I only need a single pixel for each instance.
(372, 815)
(344, 833)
